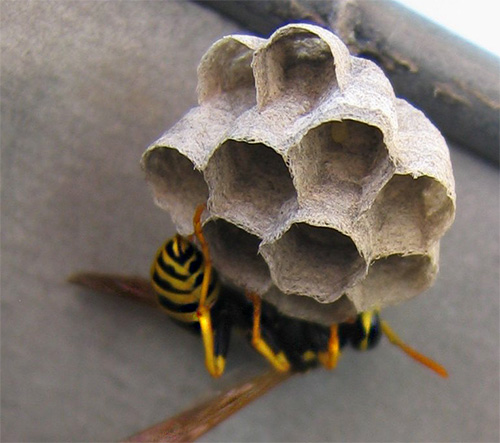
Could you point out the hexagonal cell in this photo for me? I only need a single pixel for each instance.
(167, 169)
(235, 254)
(314, 261)
(393, 279)
(409, 215)
(226, 76)
(250, 186)
(340, 161)
(297, 66)
(309, 309)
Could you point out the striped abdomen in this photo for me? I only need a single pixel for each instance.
(176, 275)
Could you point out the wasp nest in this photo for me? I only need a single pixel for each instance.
(326, 194)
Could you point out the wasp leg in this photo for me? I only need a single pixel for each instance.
(215, 363)
(223, 325)
(277, 359)
(330, 357)
(207, 272)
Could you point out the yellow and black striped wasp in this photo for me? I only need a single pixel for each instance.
(184, 284)
(188, 289)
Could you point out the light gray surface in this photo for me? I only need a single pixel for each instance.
(85, 87)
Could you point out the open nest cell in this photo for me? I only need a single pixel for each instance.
(168, 171)
(298, 68)
(393, 278)
(339, 161)
(235, 253)
(409, 215)
(314, 261)
(226, 75)
(251, 186)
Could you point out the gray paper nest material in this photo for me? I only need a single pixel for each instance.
(326, 194)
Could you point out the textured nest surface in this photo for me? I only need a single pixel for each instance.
(326, 194)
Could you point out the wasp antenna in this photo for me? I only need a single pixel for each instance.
(426, 361)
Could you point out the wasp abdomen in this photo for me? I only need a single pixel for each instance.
(177, 274)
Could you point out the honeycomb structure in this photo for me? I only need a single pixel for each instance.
(326, 194)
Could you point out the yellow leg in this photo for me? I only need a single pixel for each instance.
(215, 364)
(207, 272)
(330, 357)
(426, 361)
(279, 360)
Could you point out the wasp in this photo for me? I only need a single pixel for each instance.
(185, 285)
(188, 289)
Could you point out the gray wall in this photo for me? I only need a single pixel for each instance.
(85, 87)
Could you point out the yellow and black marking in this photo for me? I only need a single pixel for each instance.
(179, 279)
(189, 291)
(177, 275)
(364, 333)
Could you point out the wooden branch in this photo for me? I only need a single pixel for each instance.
(454, 82)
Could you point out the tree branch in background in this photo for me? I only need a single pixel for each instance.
(454, 82)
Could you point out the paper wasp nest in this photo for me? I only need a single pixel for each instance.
(326, 194)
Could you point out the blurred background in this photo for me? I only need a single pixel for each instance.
(475, 24)
(85, 87)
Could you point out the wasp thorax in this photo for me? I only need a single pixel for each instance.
(326, 194)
